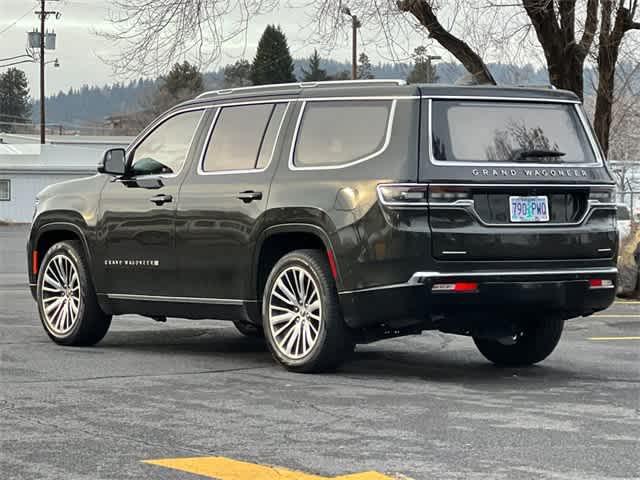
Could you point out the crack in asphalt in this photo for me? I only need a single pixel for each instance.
(108, 377)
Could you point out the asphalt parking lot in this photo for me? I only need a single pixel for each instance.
(423, 407)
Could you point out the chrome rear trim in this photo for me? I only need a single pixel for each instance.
(418, 276)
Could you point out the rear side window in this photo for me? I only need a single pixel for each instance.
(339, 132)
(242, 137)
(510, 132)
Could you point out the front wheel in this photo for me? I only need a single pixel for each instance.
(302, 318)
(67, 302)
(534, 343)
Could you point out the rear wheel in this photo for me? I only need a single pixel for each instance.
(533, 344)
(67, 302)
(302, 318)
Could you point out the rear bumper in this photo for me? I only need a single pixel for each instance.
(565, 293)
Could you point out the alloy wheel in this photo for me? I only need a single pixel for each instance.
(60, 294)
(295, 312)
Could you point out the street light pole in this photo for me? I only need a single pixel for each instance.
(430, 58)
(43, 16)
(355, 25)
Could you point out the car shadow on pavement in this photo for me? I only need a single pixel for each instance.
(453, 366)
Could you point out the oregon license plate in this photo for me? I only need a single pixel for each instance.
(529, 209)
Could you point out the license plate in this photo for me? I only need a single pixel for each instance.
(529, 209)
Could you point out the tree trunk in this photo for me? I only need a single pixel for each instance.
(424, 13)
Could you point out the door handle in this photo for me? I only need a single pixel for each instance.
(249, 196)
(161, 198)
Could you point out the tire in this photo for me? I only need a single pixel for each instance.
(536, 343)
(76, 319)
(249, 329)
(322, 339)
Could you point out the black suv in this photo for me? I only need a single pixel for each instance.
(322, 215)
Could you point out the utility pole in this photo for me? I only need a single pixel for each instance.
(43, 13)
(355, 25)
(430, 58)
(43, 17)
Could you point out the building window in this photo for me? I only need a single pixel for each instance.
(5, 190)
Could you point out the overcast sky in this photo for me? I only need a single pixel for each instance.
(78, 48)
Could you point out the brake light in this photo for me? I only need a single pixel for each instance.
(602, 195)
(409, 194)
(447, 194)
(455, 287)
(597, 283)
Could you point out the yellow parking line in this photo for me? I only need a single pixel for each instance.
(625, 315)
(228, 469)
(613, 338)
(637, 302)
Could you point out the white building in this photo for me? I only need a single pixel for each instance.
(27, 167)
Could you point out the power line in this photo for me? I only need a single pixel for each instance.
(16, 21)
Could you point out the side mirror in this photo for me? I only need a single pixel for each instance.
(113, 161)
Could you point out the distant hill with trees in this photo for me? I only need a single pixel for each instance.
(92, 104)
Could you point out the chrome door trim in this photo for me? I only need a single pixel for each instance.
(160, 298)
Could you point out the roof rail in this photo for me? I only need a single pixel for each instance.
(547, 86)
(278, 86)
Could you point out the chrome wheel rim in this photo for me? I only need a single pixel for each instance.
(295, 312)
(60, 295)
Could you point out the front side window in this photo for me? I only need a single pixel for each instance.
(510, 132)
(165, 150)
(342, 131)
(5, 190)
(238, 136)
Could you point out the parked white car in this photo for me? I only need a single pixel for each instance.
(624, 221)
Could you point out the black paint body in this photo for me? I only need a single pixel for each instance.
(212, 248)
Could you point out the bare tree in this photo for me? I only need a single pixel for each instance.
(156, 34)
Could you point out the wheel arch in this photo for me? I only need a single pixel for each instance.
(278, 240)
(50, 233)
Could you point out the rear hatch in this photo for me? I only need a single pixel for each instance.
(515, 179)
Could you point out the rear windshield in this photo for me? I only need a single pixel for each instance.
(510, 132)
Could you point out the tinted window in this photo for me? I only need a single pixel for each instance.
(269, 142)
(468, 131)
(236, 138)
(165, 150)
(338, 132)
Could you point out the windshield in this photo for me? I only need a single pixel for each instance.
(509, 132)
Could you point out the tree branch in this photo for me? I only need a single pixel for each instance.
(590, 27)
(424, 13)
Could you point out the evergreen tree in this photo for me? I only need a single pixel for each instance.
(237, 75)
(423, 71)
(273, 62)
(365, 70)
(14, 99)
(182, 82)
(314, 73)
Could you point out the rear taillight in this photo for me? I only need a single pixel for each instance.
(403, 195)
(602, 195)
(598, 283)
(448, 194)
(455, 287)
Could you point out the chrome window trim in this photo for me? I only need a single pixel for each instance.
(452, 163)
(415, 278)
(160, 298)
(203, 153)
(152, 127)
(380, 151)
